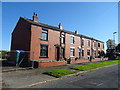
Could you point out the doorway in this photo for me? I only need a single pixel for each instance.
(57, 53)
(79, 53)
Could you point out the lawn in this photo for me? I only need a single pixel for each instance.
(96, 65)
(59, 72)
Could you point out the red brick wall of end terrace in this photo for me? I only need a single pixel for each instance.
(21, 36)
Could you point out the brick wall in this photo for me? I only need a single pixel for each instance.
(28, 37)
(53, 38)
(48, 64)
(21, 36)
(68, 45)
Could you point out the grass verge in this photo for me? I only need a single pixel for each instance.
(96, 65)
(59, 72)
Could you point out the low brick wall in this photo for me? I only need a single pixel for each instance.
(79, 61)
(48, 64)
(96, 59)
(99, 59)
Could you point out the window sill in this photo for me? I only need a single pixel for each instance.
(72, 56)
(43, 57)
(43, 40)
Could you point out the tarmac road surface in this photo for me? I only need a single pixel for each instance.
(106, 77)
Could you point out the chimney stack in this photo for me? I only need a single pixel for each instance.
(35, 17)
(76, 32)
(60, 26)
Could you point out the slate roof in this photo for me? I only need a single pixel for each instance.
(57, 29)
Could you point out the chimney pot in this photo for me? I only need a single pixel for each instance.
(76, 32)
(60, 26)
(35, 17)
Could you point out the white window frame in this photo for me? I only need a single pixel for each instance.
(83, 52)
(83, 42)
(73, 51)
(62, 38)
(73, 39)
(94, 44)
(87, 51)
(79, 48)
(88, 43)
(98, 43)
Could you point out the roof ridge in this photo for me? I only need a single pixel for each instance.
(54, 27)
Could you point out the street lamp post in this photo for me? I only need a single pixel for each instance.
(114, 45)
(114, 37)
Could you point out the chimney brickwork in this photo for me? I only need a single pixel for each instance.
(35, 17)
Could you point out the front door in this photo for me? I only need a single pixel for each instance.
(57, 53)
(79, 53)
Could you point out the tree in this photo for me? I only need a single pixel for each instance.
(111, 49)
(4, 54)
(118, 51)
(110, 44)
(118, 48)
(102, 53)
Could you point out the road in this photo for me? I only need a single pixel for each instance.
(101, 78)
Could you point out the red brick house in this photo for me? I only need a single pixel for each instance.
(51, 45)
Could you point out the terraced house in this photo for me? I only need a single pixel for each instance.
(53, 45)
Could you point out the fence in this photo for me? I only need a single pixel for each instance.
(20, 58)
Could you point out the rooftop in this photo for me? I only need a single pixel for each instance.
(57, 29)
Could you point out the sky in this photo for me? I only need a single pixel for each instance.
(94, 19)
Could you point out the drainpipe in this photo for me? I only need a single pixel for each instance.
(92, 47)
(60, 45)
(81, 46)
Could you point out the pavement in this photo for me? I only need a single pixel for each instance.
(24, 78)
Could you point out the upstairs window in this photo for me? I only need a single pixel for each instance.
(82, 42)
(98, 44)
(94, 44)
(71, 39)
(88, 42)
(44, 34)
(43, 50)
(63, 39)
(72, 52)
